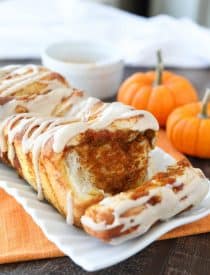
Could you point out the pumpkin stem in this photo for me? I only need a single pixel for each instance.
(204, 106)
(159, 69)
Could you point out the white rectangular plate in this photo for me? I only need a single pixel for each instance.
(76, 244)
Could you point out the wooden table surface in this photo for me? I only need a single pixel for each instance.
(187, 255)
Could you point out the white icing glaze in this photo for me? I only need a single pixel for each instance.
(37, 131)
(14, 78)
(194, 189)
(36, 148)
(28, 140)
(45, 128)
(66, 131)
(72, 100)
(11, 154)
(107, 116)
(6, 70)
(43, 104)
(83, 109)
(69, 207)
(20, 78)
(112, 112)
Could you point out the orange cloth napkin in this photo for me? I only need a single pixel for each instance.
(21, 239)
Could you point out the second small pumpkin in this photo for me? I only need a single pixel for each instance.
(159, 92)
(188, 128)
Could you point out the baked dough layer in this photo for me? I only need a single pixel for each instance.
(130, 214)
(35, 89)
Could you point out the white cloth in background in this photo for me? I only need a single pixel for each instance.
(26, 26)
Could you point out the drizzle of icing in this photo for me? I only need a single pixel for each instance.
(66, 131)
(83, 109)
(69, 207)
(20, 77)
(194, 189)
(83, 113)
(44, 101)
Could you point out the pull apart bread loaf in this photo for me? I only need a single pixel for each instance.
(88, 158)
(130, 214)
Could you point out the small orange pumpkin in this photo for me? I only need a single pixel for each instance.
(159, 92)
(188, 128)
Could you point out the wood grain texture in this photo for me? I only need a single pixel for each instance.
(183, 256)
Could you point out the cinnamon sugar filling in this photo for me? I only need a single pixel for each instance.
(117, 161)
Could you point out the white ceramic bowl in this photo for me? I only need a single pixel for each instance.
(92, 67)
